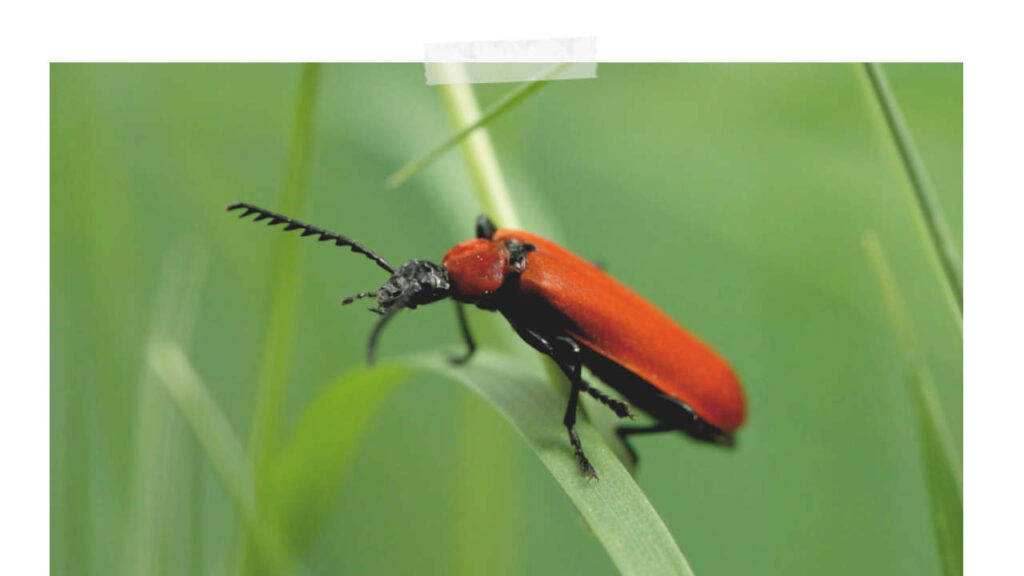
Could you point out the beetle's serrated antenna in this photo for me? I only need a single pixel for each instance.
(395, 308)
(310, 230)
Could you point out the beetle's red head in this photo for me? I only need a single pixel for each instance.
(477, 268)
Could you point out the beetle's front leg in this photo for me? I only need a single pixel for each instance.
(460, 311)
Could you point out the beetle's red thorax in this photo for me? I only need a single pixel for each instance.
(477, 268)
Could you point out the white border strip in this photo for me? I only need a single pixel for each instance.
(512, 60)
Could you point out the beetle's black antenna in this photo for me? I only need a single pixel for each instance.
(309, 230)
(395, 308)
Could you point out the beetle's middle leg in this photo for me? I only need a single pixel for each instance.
(559, 355)
(547, 347)
(569, 356)
(567, 353)
(570, 425)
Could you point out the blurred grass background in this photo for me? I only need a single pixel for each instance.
(733, 196)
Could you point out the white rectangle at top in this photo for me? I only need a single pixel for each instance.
(511, 61)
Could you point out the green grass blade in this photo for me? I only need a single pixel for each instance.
(615, 508)
(222, 448)
(482, 535)
(279, 329)
(284, 281)
(942, 466)
(940, 239)
(944, 482)
(506, 103)
(489, 183)
(306, 476)
(482, 539)
(174, 316)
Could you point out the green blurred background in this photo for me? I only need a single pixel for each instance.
(733, 196)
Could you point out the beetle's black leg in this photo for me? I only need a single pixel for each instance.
(570, 359)
(570, 425)
(623, 431)
(386, 315)
(620, 408)
(460, 311)
(567, 355)
(570, 349)
(485, 228)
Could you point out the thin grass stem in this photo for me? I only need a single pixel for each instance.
(284, 281)
(947, 256)
(506, 103)
(482, 532)
(279, 329)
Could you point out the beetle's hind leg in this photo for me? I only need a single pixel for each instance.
(623, 431)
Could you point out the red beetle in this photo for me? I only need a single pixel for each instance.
(572, 311)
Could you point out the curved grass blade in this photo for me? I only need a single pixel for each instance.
(614, 507)
(942, 466)
(927, 201)
(283, 297)
(304, 478)
(482, 537)
(153, 494)
(223, 448)
(944, 482)
(495, 200)
(507, 102)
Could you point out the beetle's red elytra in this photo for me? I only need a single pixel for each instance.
(575, 313)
